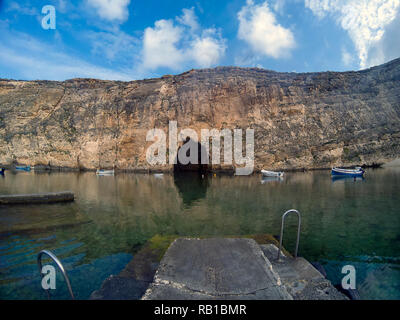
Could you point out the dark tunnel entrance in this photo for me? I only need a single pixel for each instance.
(191, 167)
(191, 179)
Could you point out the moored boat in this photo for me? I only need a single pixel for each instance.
(23, 168)
(2, 171)
(356, 172)
(102, 172)
(267, 173)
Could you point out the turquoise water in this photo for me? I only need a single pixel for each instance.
(343, 222)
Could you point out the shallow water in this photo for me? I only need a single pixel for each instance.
(343, 222)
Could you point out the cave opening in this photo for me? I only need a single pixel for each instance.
(198, 167)
(191, 179)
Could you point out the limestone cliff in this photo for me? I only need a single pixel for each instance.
(301, 120)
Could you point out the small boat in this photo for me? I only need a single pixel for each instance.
(23, 168)
(356, 172)
(2, 171)
(158, 175)
(101, 172)
(266, 173)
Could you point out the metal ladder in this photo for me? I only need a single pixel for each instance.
(59, 264)
(298, 232)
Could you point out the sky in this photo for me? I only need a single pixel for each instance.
(131, 39)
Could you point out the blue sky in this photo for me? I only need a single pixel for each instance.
(129, 39)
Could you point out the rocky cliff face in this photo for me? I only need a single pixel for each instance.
(307, 120)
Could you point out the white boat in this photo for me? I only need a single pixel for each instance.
(266, 173)
(102, 172)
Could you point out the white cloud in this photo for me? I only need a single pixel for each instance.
(189, 18)
(175, 45)
(388, 47)
(321, 7)
(25, 9)
(111, 9)
(364, 20)
(259, 28)
(160, 45)
(207, 50)
(61, 68)
(113, 45)
(62, 6)
(32, 59)
(279, 6)
(347, 58)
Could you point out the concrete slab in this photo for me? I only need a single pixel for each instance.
(289, 268)
(216, 268)
(168, 291)
(300, 278)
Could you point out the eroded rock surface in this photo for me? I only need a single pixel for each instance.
(309, 120)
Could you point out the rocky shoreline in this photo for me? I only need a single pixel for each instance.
(49, 169)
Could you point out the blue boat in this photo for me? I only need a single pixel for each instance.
(24, 168)
(356, 172)
(2, 171)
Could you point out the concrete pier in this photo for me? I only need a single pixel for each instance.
(65, 196)
(216, 269)
(235, 268)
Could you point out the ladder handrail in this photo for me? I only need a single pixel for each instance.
(298, 231)
(59, 264)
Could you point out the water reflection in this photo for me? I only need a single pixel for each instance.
(114, 215)
(265, 180)
(344, 178)
(192, 186)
